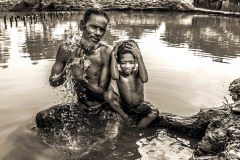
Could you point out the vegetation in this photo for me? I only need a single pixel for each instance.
(65, 5)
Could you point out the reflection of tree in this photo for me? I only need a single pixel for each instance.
(131, 24)
(213, 35)
(4, 46)
(4, 53)
(37, 42)
(217, 36)
(42, 45)
(3, 57)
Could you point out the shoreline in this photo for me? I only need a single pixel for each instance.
(202, 11)
(216, 12)
(193, 10)
(184, 6)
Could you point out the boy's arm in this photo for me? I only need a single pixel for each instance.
(114, 67)
(57, 73)
(134, 49)
(142, 70)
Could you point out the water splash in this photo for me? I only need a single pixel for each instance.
(72, 135)
(74, 49)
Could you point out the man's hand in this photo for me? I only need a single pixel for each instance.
(126, 118)
(77, 68)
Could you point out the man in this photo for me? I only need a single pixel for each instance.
(93, 27)
(89, 65)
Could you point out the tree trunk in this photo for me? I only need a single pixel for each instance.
(218, 129)
(40, 5)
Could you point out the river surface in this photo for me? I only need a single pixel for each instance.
(191, 59)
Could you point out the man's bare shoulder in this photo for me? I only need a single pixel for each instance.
(63, 52)
(64, 48)
(105, 50)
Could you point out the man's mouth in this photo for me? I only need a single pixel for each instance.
(95, 39)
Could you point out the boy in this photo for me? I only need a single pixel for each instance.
(130, 79)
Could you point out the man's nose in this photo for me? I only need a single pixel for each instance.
(98, 32)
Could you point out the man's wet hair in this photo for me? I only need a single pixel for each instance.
(122, 48)
(95, 11)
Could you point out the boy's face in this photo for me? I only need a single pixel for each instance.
(93, 30)
(127, 63)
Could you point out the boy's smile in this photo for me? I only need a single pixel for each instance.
(127, 63)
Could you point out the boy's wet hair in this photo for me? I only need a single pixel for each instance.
(95, 11)
(121, 48)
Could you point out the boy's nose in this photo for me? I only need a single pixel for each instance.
(128, 64)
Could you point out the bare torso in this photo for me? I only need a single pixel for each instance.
(93, 72)
(131, 89)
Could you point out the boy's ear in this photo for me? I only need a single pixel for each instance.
(82, 25)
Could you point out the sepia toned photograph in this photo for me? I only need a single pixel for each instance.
(119, 79)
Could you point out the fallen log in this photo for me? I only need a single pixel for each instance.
(218, 128)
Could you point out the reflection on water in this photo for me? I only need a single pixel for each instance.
(199, 32)
(216, 37)
(191, 60)
(26, 145)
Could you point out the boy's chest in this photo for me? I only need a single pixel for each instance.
(130, 83)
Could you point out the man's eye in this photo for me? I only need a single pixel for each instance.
(102, 30)
(94, 27)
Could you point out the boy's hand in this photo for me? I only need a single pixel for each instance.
(115, 48)
(134, 49)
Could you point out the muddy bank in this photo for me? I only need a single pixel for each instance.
(225, 8)
(217, 128)
(75, 5)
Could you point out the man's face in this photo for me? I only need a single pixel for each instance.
(93, 31)
(127, 63)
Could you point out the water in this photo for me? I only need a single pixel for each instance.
(191, 59)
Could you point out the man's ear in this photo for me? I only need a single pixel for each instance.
(82, 25)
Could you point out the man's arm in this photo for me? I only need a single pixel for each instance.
(113, 100)
(57, 74)
(105, 72)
